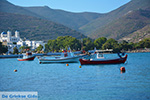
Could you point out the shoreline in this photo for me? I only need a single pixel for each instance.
(54, 54)
(139, 51)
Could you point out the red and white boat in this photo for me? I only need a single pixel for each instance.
(98, 58)
(27, 57)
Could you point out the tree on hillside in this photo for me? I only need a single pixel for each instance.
(145, 43)
(62, 42)
(72, 42)
(3, 49)
(15, 50)
(99, 42)
(51, 46)
(39, 48)
(111, 44)
(24, 48)
(68, 41)
(124, 45)
(88, 44)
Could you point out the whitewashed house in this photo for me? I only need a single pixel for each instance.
(16, 41)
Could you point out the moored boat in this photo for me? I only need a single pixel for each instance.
(66, 57)
(98, 58)
(27, 57)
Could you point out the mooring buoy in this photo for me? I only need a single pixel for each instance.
(122, 69)
(15, 70)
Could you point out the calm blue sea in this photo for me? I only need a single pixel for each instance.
(92, 82)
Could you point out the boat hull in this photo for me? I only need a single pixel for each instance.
(105, 61)
(63, 60)
(27, 59)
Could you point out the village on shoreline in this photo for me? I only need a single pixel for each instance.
(17, 42)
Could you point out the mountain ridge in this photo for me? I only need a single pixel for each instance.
(90, 24)
(8, 7)
(35, 28)
(125, 25)
(94, 25)
(69, 19)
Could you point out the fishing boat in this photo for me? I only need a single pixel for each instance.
(27, 57)
(98, 58)
(66, 57)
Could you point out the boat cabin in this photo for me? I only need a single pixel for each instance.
(28, 54)
(98, 54)
(67, 54)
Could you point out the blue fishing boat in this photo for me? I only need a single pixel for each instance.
(66, 57)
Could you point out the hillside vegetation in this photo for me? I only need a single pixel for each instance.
(63, 42)
(35, 28)
(138, 35)
(69, 19)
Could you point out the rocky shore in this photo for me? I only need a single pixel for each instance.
(139, 50)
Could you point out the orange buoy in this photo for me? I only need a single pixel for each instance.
(15, 70)
(122, 69)
(67, 64)
(79, 66)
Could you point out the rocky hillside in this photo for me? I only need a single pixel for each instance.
(102, 22)
(126, 25)
(138, 35)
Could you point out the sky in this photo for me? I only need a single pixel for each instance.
(99, 6)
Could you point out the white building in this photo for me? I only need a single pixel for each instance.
(7, 37)
(34, 44)
(16, 41)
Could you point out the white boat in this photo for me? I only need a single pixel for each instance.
(66, 57)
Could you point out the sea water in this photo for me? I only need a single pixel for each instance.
(92, 82)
